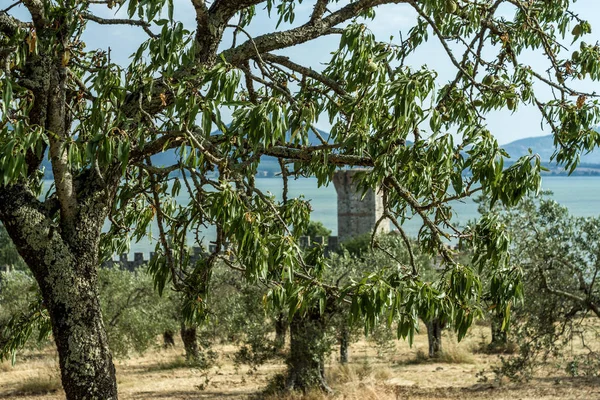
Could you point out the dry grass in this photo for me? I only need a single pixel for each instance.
(455, 353)
(165, 375)
(5, 366)
(45, 382)
(315, 395)
(166, 365)
(452, 353)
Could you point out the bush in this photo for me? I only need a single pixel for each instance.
(134, 313)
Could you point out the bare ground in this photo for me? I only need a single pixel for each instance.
(397, 374)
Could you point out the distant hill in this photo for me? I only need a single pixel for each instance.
(268, 165)
(544, 146)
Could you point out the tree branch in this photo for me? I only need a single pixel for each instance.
(228, 8)
(36, 9)
(319, 10)
(10, 25)
(309, 72)
(302, 34)
(117, 21)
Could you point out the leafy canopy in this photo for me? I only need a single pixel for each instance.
(105, 121)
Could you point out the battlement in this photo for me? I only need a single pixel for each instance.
(329, 244)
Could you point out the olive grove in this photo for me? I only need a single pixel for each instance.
(220, 98)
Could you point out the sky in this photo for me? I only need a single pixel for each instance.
(390, 20)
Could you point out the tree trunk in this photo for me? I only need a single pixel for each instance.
(434, 337)
(308, 348)
(344, 340)
(190, 342)
(63, 260)
(85, 359)
(281, 327)
(499, 336)
(168, 339)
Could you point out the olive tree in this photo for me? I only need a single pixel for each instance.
(558, 256)
(97, 124)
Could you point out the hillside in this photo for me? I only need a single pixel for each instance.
(544, 146)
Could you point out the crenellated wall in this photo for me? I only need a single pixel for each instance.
(329, 244)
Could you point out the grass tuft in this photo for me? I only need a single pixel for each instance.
(452, 353)
(342, 374)
(42, 383)
(456, 355)
(6, 366)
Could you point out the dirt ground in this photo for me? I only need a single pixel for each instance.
(397, 373)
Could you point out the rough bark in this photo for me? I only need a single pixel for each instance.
(67, 279)
(190, 342)
(308, 348)
(168, 339)
(434, 336)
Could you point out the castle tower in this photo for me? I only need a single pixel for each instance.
(356, 216)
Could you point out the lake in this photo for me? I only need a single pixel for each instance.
(580, 194)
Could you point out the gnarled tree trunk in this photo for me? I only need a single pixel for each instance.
(434, 336)
(499, 337)
(190, 342)
(168, 339)
(308, 347)
(344, 339)
(63, 260)
(85, 359)
(281, 327)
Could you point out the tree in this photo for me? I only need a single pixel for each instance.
(134, 312)
(316, 228)
(99, 123)
(363, 255)
(21, 312)
(558, 256)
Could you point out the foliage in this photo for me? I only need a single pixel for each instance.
(22, 314)
(316, 228)
(98, 123)
(134, 313)
(8, 252)
(558, 255)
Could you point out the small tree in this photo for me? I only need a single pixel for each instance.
(135, 314)
(559, 258)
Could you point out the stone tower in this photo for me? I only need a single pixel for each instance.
(356, 216)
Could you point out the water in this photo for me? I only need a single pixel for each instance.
(581, 195)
